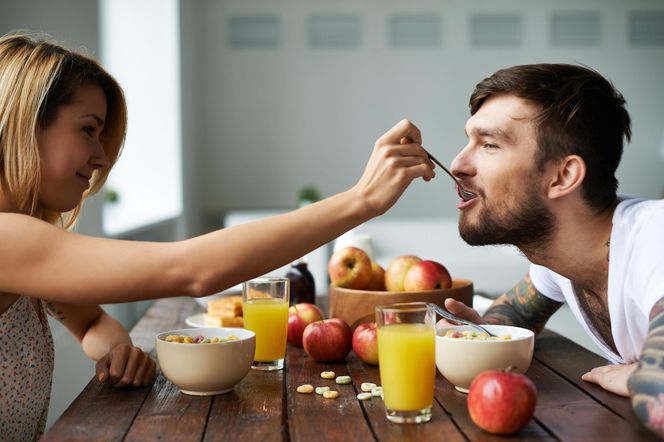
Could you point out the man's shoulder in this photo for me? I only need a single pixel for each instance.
(640, 215)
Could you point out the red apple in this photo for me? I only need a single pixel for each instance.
(328, 340)
(377, 282)
(501, 402)
(350, 267)
(396, 271)
(299, 316)
(427, 275)
(365, 343)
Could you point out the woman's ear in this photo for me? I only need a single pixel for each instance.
(569, 174)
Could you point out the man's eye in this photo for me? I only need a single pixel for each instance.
(490, 146)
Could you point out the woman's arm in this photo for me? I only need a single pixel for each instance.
(105, 341)
(61, 266)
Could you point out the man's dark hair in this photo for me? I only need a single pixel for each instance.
(581, 113)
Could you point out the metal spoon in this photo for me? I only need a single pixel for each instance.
(463, 193)
(449, 316)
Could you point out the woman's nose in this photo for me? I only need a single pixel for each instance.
(99, 159)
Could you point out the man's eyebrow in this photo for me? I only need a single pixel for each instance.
(494, 132)
(96, 117)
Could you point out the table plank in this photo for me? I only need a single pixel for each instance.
(312, 417)
(570, 361)
(570, 413)
(253, 411)
(100, 413)
(168, 414)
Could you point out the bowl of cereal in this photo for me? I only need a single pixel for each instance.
(205, 361)
(462, 352)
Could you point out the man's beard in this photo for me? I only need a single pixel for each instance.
(526, 224)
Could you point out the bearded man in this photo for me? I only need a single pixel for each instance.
(544, 143)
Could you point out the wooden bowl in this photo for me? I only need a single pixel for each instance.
(358, 306)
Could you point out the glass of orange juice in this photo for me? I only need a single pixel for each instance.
(406, 359)
(265, 311)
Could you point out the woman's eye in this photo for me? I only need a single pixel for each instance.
(89, 130)
(490, 146)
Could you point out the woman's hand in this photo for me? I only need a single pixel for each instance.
(612, 378)
(394, 163)
(126, 365)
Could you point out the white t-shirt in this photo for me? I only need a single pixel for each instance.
(636, 278)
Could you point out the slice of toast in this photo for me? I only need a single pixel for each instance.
(223, 321)
(227, 306)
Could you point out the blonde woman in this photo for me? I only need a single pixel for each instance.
(62, 125)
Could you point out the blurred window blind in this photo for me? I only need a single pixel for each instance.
(494, 30)
(646, 28)
(578, 28)
(414, 30)
(254, 31)
(334, 31)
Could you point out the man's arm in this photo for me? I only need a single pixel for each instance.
(522, 306)
(646, 383)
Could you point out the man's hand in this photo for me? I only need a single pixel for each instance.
(612, 378)
(126, 365)
(461, 310)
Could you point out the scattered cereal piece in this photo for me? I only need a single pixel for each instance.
(364, 396)
(377, 391)
(343, 380)
(321, 390)
(306, 389)
(328, 375)
(367, 386)
(331, 394)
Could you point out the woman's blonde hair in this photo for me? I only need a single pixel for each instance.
(37, 78)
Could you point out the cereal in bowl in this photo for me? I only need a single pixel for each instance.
(471, 335)
(186, 339)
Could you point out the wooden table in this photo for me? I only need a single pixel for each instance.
(265, 406)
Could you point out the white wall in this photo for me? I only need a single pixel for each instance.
(272, 120)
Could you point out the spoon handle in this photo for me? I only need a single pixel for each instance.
(449, 316)
(432, 158)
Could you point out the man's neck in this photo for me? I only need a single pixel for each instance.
(579, 247)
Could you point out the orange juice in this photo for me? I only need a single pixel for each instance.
(407, 366)
(268, 318)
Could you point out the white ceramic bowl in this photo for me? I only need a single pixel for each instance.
(460, 360)
(206, 369)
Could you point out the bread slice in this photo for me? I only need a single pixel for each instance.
(223, 321)
(224, 312)
(227, 306)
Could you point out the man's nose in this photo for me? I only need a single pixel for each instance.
(461, 165)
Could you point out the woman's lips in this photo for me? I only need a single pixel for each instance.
(83, 179)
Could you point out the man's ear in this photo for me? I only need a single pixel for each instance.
(569, 174)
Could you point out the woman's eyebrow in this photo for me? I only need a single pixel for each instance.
(96, 117)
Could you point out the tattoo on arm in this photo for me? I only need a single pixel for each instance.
(54, 311)
(646, 384)
(523, 306)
